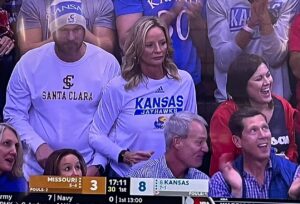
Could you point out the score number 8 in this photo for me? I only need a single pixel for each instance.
(142, 186)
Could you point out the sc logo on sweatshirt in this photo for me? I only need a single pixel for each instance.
(68, 81)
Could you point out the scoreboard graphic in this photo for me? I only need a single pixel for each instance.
(116, 190)
(92, 190)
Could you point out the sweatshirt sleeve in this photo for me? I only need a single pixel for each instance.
(18, 104)
(99, 159)
(221, 136)
(294, 36)
(275, 45)
(191, 104)
(104, 119)
(290, 112)
(105, 15)
(224, 46)
(28, 16)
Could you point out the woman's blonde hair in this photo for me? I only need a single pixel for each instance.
(133, 50)
(17, 170)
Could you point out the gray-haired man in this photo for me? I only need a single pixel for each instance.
(186, 137)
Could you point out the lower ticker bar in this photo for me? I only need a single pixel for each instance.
(40, 198)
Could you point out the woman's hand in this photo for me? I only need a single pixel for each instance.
(132, 158)
(6, 45)
(42, 154)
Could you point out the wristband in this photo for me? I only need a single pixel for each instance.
(248, 29)
(100, 169)
(121, 156)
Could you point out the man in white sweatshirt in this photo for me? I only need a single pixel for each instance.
(55, 89)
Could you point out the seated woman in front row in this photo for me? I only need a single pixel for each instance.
(65, 162)
(11, 161)
(249, 83)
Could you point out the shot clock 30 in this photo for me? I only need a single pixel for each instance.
(118, 185)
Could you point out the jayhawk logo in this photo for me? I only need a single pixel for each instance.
(160, 123)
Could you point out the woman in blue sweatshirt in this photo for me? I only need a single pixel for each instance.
(11, 160)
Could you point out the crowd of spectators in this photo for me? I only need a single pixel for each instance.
(114, 87)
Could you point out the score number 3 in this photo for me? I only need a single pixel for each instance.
(94, 185)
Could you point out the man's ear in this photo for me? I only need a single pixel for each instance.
(177, 142)
(237, 141)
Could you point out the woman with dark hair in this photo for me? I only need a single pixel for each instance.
(65, 162)
(11, 160)
(249, 83)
